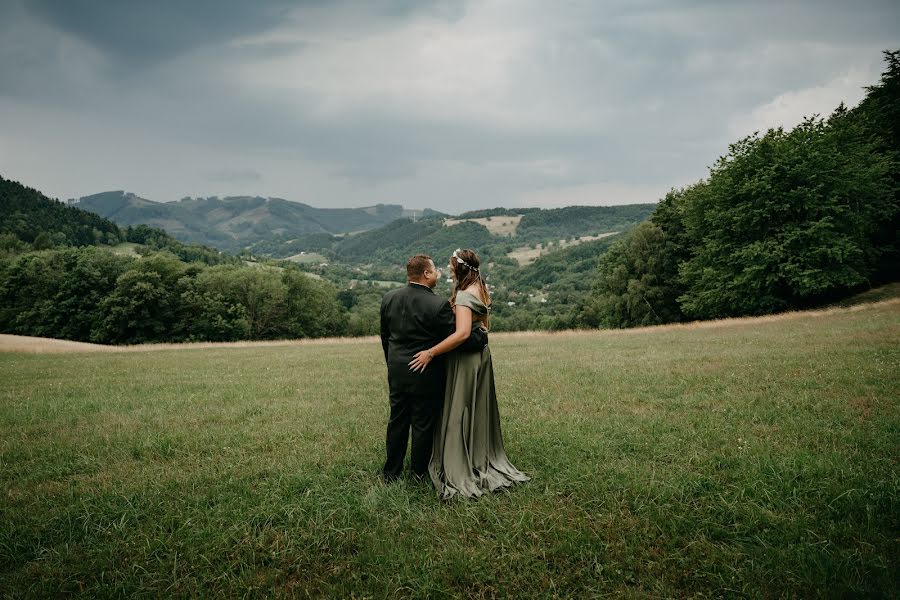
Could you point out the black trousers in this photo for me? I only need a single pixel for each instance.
(411, 410)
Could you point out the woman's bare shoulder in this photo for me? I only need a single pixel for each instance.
(474, 289)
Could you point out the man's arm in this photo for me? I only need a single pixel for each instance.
(385, 329)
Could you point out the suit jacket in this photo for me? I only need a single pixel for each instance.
(414, 318)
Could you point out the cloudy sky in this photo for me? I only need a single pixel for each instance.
(452, 105)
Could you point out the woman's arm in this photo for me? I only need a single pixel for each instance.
(463, 330)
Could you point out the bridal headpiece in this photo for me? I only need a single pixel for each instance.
(461, 261)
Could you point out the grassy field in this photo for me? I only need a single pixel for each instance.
(740, 458)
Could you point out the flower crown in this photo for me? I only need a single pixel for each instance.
(461, 261)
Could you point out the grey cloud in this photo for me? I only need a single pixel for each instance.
(141, 33)
(230, 175)
(668, 76)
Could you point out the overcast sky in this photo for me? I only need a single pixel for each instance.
(449, 105)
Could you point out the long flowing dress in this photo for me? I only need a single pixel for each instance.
(468, 457)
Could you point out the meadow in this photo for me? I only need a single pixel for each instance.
(751, 457)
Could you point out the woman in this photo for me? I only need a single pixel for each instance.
(468, 456)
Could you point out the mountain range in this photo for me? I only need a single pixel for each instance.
(384, 233)
(236, 222)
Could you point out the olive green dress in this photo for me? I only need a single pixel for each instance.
(468, 456)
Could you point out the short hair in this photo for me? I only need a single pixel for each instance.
(417, 266)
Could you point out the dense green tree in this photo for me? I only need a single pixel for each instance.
(10, 245)
(879, 114)
(154, 240)
(145, 304)
(208, 316)
(787, 221)
(55, 293)
(91, 294)
(43, 222)
(365, 319)
(313, 309)
(632, 288)
(260, 291)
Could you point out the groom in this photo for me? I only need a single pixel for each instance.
(413, 318)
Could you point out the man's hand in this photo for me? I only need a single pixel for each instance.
(420, 361)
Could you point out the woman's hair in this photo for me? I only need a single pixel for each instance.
(467, 271)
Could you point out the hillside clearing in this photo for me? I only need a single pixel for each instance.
(307, 258)
(526, 255)
(504, 226)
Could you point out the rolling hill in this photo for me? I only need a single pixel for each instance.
(496, 240)
(384, 234)
(34, 219)
(234, 223)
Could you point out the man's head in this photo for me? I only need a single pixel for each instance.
(420, 269)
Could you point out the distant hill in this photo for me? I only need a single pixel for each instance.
(29, 220)
(234, 223)
(395, 242)
(382, 234)
(580, 220)
(41, 222)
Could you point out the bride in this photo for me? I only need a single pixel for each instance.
(468, 457)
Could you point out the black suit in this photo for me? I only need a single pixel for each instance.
(413, 318)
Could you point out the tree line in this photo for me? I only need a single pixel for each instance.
(60, 278)
(785, 220)
(94, 295)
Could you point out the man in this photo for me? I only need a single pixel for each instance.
(413, 318)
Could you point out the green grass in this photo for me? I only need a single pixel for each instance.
(745, 458)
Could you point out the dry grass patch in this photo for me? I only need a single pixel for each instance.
(308, 258)
(39, 345)
(504, 226)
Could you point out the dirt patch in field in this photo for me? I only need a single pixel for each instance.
(862, 405)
